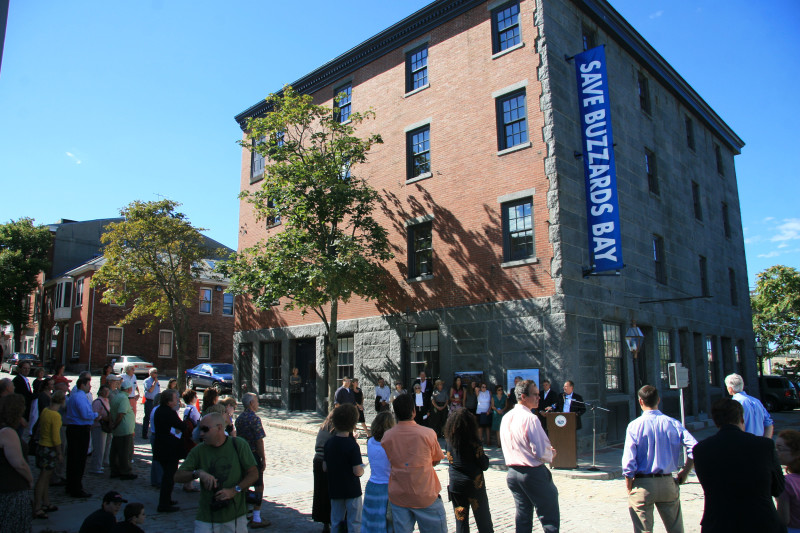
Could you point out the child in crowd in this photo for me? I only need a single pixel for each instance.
(342, 462)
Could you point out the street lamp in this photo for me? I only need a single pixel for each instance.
(53, 345)
(635, 339)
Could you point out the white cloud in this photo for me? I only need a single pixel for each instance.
(754, 239)
(656, 14)
(72, 156)
(768, 219)
(782, 245)
(789, 230)
(771, 254)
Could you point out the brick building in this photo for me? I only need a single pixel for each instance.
(89, 334)
(482, 173)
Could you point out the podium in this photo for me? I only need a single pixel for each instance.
(561, 428)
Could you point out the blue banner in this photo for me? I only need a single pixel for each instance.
(600, 175)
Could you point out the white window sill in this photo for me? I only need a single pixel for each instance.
(508, 50)
(520, 262)
(420, 178)
(415, 91)
(514, 148)
(426, 277)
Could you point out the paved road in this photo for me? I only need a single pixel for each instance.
(586, 504)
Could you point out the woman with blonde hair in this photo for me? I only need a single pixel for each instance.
(376, 495)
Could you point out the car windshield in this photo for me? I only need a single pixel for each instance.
(27, 356)
(133, 359)
(221, 368)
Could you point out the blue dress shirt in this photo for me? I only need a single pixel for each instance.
(79, 409)
(756, 417)
(653, 445)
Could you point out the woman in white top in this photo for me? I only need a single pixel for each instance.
(376, 495)
(484, 415)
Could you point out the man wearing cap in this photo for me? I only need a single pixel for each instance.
(344, 394)
(103, 520)
(152, 388)
(78, 418)
(123, 422)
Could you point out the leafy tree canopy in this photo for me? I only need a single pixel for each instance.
(330, 247)
(776, 310)
(152, 259)
(24, 252)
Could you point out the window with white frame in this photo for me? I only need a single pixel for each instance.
(425, 353)
(205, 300)
(204, 346)
(114, 341)
(227, 304)
(165, 343)
(346, 349)
(79, 292)
(63, 294)
(612, 353)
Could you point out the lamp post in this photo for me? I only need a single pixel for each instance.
(53, 344)
(635, 338)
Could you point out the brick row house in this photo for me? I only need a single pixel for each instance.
(486, 204)
(89, 333)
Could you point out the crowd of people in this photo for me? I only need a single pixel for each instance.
(62, 423)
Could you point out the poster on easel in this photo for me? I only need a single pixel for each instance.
(524, 373)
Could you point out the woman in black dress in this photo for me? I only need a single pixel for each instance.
(168, 448)
(467, 463)
(321, 504)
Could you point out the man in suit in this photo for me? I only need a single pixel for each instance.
(740, 473)
(425, 384)
(547, 399)
(571, 402)
(22, 385)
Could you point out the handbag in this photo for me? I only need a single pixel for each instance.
(105, 424)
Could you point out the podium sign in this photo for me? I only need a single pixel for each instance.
(561, 428)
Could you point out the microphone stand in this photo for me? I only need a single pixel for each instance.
(592, 407)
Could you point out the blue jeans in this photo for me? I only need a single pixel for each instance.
(156, 471)
(349, 507)
(431, 519)
(532, 487)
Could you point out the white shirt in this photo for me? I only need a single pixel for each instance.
(132, 380)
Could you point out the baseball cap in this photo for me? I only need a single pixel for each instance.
(114, 497)
(126, 385)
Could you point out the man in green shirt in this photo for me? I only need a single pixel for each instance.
(124, 423)
(226, 469)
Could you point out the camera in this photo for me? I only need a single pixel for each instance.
(218, 505)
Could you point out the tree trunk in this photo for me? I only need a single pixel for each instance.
(181, 323)
(332, 354)
(18, 337)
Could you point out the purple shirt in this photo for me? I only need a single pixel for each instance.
(653, 445)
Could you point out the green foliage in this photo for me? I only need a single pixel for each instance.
(776, 310)
(151, 261)
(23, 255)
(330, 247)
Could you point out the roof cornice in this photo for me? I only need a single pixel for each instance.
(602, 13)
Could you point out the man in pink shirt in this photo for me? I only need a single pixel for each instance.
(413, 451)
(526, 448)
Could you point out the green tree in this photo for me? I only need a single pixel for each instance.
(24, 251)
(330, 247)
(152, 259)
(776, 311)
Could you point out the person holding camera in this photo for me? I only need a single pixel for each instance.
(226, 469)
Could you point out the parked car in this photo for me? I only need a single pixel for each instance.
(217, 375)
(141, 367)
(777, 393)
(11, 361)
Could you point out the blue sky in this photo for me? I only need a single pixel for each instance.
(103, 103)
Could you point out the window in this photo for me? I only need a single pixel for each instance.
(518, 241)
(505, 27)
(270, 381)
(704, 276)
(652, 170)
(726, 221)
(64, 294)
(346, 351)
(79, 292)
(257, 161)
(689, 132)
(343, 106)
(589, 38)
(612, 352)
(273, 219)
(737, 358)
(227, 304)
(420, 246)
(718, 156)
(658, 259)
(698, 207)
(417, 68)
(512, 125)
(419, 151)
(732, 282)
(77, 330)
(712, 372)
(114, 342)
(664, 355)
(425, 353)
(204, 346)
(205, 300)
(165, 343)
(644, 93)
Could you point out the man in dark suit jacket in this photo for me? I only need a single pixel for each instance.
(740, 474)
(22, 386)
(571, 402)
(547, 399)
(427, 387)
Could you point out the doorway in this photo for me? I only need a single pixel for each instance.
(306, 362)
